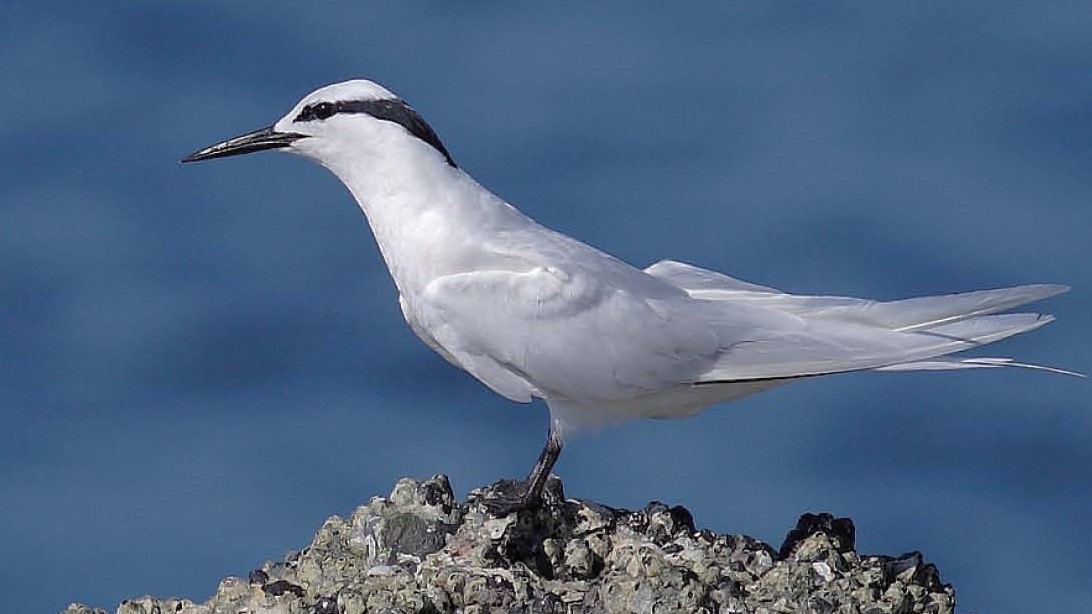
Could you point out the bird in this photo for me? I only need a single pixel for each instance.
(535, 314)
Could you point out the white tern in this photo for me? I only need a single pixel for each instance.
(531, 312)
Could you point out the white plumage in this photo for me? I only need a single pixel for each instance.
(534, 313)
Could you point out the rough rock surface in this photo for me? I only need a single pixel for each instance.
(421, 551)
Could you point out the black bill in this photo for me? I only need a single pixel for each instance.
(266, 138)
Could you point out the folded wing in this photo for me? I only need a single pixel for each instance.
(562, 333)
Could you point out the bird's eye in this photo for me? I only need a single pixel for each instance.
(319, 111)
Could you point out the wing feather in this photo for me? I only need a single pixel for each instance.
(606, 335)
(561, 333)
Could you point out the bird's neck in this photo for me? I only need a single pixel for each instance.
(429, 218)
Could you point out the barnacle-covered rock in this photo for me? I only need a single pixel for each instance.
(421, 551)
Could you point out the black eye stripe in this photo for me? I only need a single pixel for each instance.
(389, 109)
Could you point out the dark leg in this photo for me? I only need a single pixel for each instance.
(529, 493)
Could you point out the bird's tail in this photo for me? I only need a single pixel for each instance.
(976, 330)
(850, 334)
(973, 317)
(948, 364)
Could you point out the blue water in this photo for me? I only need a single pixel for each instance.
(199, 364)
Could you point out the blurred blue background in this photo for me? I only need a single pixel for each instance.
(199, 364)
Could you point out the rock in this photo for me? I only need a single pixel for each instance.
(421, 551)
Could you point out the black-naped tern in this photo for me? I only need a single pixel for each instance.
(531, 312)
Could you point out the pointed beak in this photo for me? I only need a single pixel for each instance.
(266, 138)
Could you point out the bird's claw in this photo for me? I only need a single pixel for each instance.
(501, 505)
(508, 497)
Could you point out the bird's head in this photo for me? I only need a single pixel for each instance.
(336, 122)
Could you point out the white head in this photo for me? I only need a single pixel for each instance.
(359, 121)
